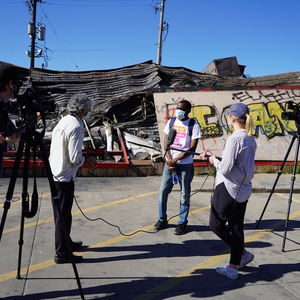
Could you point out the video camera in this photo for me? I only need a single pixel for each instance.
(294, 114)
(38, 100)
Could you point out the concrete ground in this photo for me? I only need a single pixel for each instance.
(124, 258)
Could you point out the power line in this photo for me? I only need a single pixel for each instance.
(76, 66)
(109, 49)
(112, 3)
(14, 2)
(93, 3)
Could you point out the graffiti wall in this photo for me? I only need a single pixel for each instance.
(275, 115)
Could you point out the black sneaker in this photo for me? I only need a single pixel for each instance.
(180, 229)
(160, 225)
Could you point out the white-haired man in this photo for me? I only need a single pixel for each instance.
(65, 159)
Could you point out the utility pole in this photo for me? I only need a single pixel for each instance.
(35, 32)
(160, 31)
(32, 31)
(33, 35)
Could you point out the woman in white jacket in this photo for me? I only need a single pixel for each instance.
(233, 188)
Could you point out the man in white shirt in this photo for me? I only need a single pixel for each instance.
(65, 159)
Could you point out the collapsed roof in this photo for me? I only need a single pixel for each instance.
(120, 95)
(123, 97)
(125, 94)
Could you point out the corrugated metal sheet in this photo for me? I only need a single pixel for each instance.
(106, 88)
(124, 96)
(110, 88)
(119, 92)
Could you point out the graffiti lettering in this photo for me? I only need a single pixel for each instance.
(244, 96)
(267, 120)
(202, 113)
(282, 96)
(272, 132)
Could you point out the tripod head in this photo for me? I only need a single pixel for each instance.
(36, 99)
(34, 104)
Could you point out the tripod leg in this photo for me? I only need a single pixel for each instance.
(21, 242)
(277, 178)
(24, 200)
(12, 183)
(291, 194)
(56, 201)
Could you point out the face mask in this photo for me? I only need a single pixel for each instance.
(86, 116)
(15, 90)
(229, 123)
(180, 114)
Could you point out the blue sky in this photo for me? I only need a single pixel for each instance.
(86, 35)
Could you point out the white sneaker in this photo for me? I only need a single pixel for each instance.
(246, 259)
(228, 272)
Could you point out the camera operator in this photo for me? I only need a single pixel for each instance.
(10, 83)
(65, 159)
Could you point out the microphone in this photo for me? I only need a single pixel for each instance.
(170, 140)
(207, 156)
(217, 157)
(171, 137)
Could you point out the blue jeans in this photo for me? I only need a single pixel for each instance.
(185, 175)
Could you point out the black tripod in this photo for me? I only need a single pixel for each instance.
(31, 139)
(295, 136)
